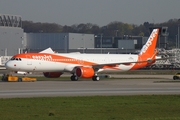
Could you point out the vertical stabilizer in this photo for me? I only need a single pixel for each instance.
(147, 56)
(149, 47)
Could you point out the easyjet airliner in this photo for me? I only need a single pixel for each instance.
(83, 65)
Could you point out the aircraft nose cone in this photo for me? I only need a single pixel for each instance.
(9, 65)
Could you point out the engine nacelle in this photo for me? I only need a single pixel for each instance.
(84, 72)
(52, 74)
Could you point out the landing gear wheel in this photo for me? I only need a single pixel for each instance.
(95, 78)
(74, 78)
(175, 77)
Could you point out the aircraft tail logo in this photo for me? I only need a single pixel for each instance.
(149, 47)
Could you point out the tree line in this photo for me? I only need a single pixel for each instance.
(115, 28)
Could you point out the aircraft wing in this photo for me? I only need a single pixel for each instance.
(118, 63)
(131, 62)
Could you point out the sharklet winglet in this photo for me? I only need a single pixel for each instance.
(48, 50)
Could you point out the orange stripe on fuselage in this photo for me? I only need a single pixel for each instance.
(53, 58)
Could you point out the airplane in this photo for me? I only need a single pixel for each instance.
(53, 65)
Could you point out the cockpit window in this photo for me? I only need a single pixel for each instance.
(12, 58)
(17, 59)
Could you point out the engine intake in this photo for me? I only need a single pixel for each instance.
(84, 72)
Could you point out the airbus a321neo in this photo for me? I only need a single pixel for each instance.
(53, 64)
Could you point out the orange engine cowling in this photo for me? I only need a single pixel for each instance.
(52, 74)
(84, 72)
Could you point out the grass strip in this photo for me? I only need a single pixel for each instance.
(141, 107)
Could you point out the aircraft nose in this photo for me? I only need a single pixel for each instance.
(10, 65)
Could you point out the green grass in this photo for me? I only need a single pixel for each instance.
(150, 107)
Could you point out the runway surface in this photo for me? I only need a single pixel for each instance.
(157, 84)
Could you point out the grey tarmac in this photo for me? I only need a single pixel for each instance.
(139, 85)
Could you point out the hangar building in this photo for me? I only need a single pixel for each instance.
(60, 42)
(11, 34)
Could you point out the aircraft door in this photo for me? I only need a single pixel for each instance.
(29, 62)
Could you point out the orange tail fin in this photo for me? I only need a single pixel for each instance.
(148, 52)
(149, 48)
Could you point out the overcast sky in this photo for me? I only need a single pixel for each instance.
(100, 12)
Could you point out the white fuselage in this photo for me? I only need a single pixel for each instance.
(69, 61)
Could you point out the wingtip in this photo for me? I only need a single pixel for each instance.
(48, 50)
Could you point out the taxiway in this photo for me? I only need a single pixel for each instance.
(124, 86)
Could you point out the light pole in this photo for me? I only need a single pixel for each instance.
(2, 52)
(159, 38)
(82, 45)
(178, 36)
(22, 45)
(176, 40)
(83, 42)
(101, 43)
(65, 44)
(117, 32)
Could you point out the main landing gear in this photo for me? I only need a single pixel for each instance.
(95, 78)
(75, 78)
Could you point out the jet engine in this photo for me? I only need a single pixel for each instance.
(84, 72)
(52, 74)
